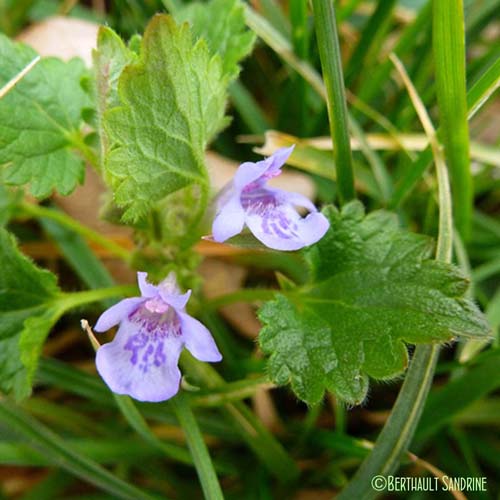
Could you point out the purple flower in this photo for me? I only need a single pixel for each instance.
(269, 213)
(142, 359)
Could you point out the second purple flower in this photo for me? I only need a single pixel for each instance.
(269, 213)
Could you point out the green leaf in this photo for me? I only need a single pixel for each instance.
(173, 102)
(221, 23)
(110, 58)
(26, 316)
(40, 120)
(373, 288)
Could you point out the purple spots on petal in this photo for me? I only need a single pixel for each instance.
(144, 366)
(160, 357)
(135, 344)
(147, 350)
(147, 346)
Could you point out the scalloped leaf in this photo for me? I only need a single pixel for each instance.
(172, 104)
(374, 288)
(40, 121)
(222, 24)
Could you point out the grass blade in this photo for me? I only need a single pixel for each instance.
(329, 51)
(449, 57)
(477, 96)
(79, 256)
(198, 448)
(61, 454)
(248, 108)
(282, 46)
(369, 42)
(483, 88)
(458, 394)
(370, 87)
(16, 79)
(138, 423)
(300, 39)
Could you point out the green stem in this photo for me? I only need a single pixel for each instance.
(329, 51)
(198, 448)
(339, 411)
(230, 392)
(67, 221)
(89, 155)
(67, 301)
(244, 295)
(192, 232)
(263, 443)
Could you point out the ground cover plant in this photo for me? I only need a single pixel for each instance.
(250, 250)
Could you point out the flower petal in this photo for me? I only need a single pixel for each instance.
(297, 199)
(117, 313)
(229, 221)
(198, 339)
(176, 301)
(146, 288)
(249, 172)
(280, 227)
(280, 156)
(141, 365)
(313, 228)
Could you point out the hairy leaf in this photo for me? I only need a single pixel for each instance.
(374, 288)
(110, 58)
(27, 312)
(40, 120)
(222, 24)
(172, 104)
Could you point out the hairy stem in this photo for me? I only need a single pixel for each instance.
(70, 223)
